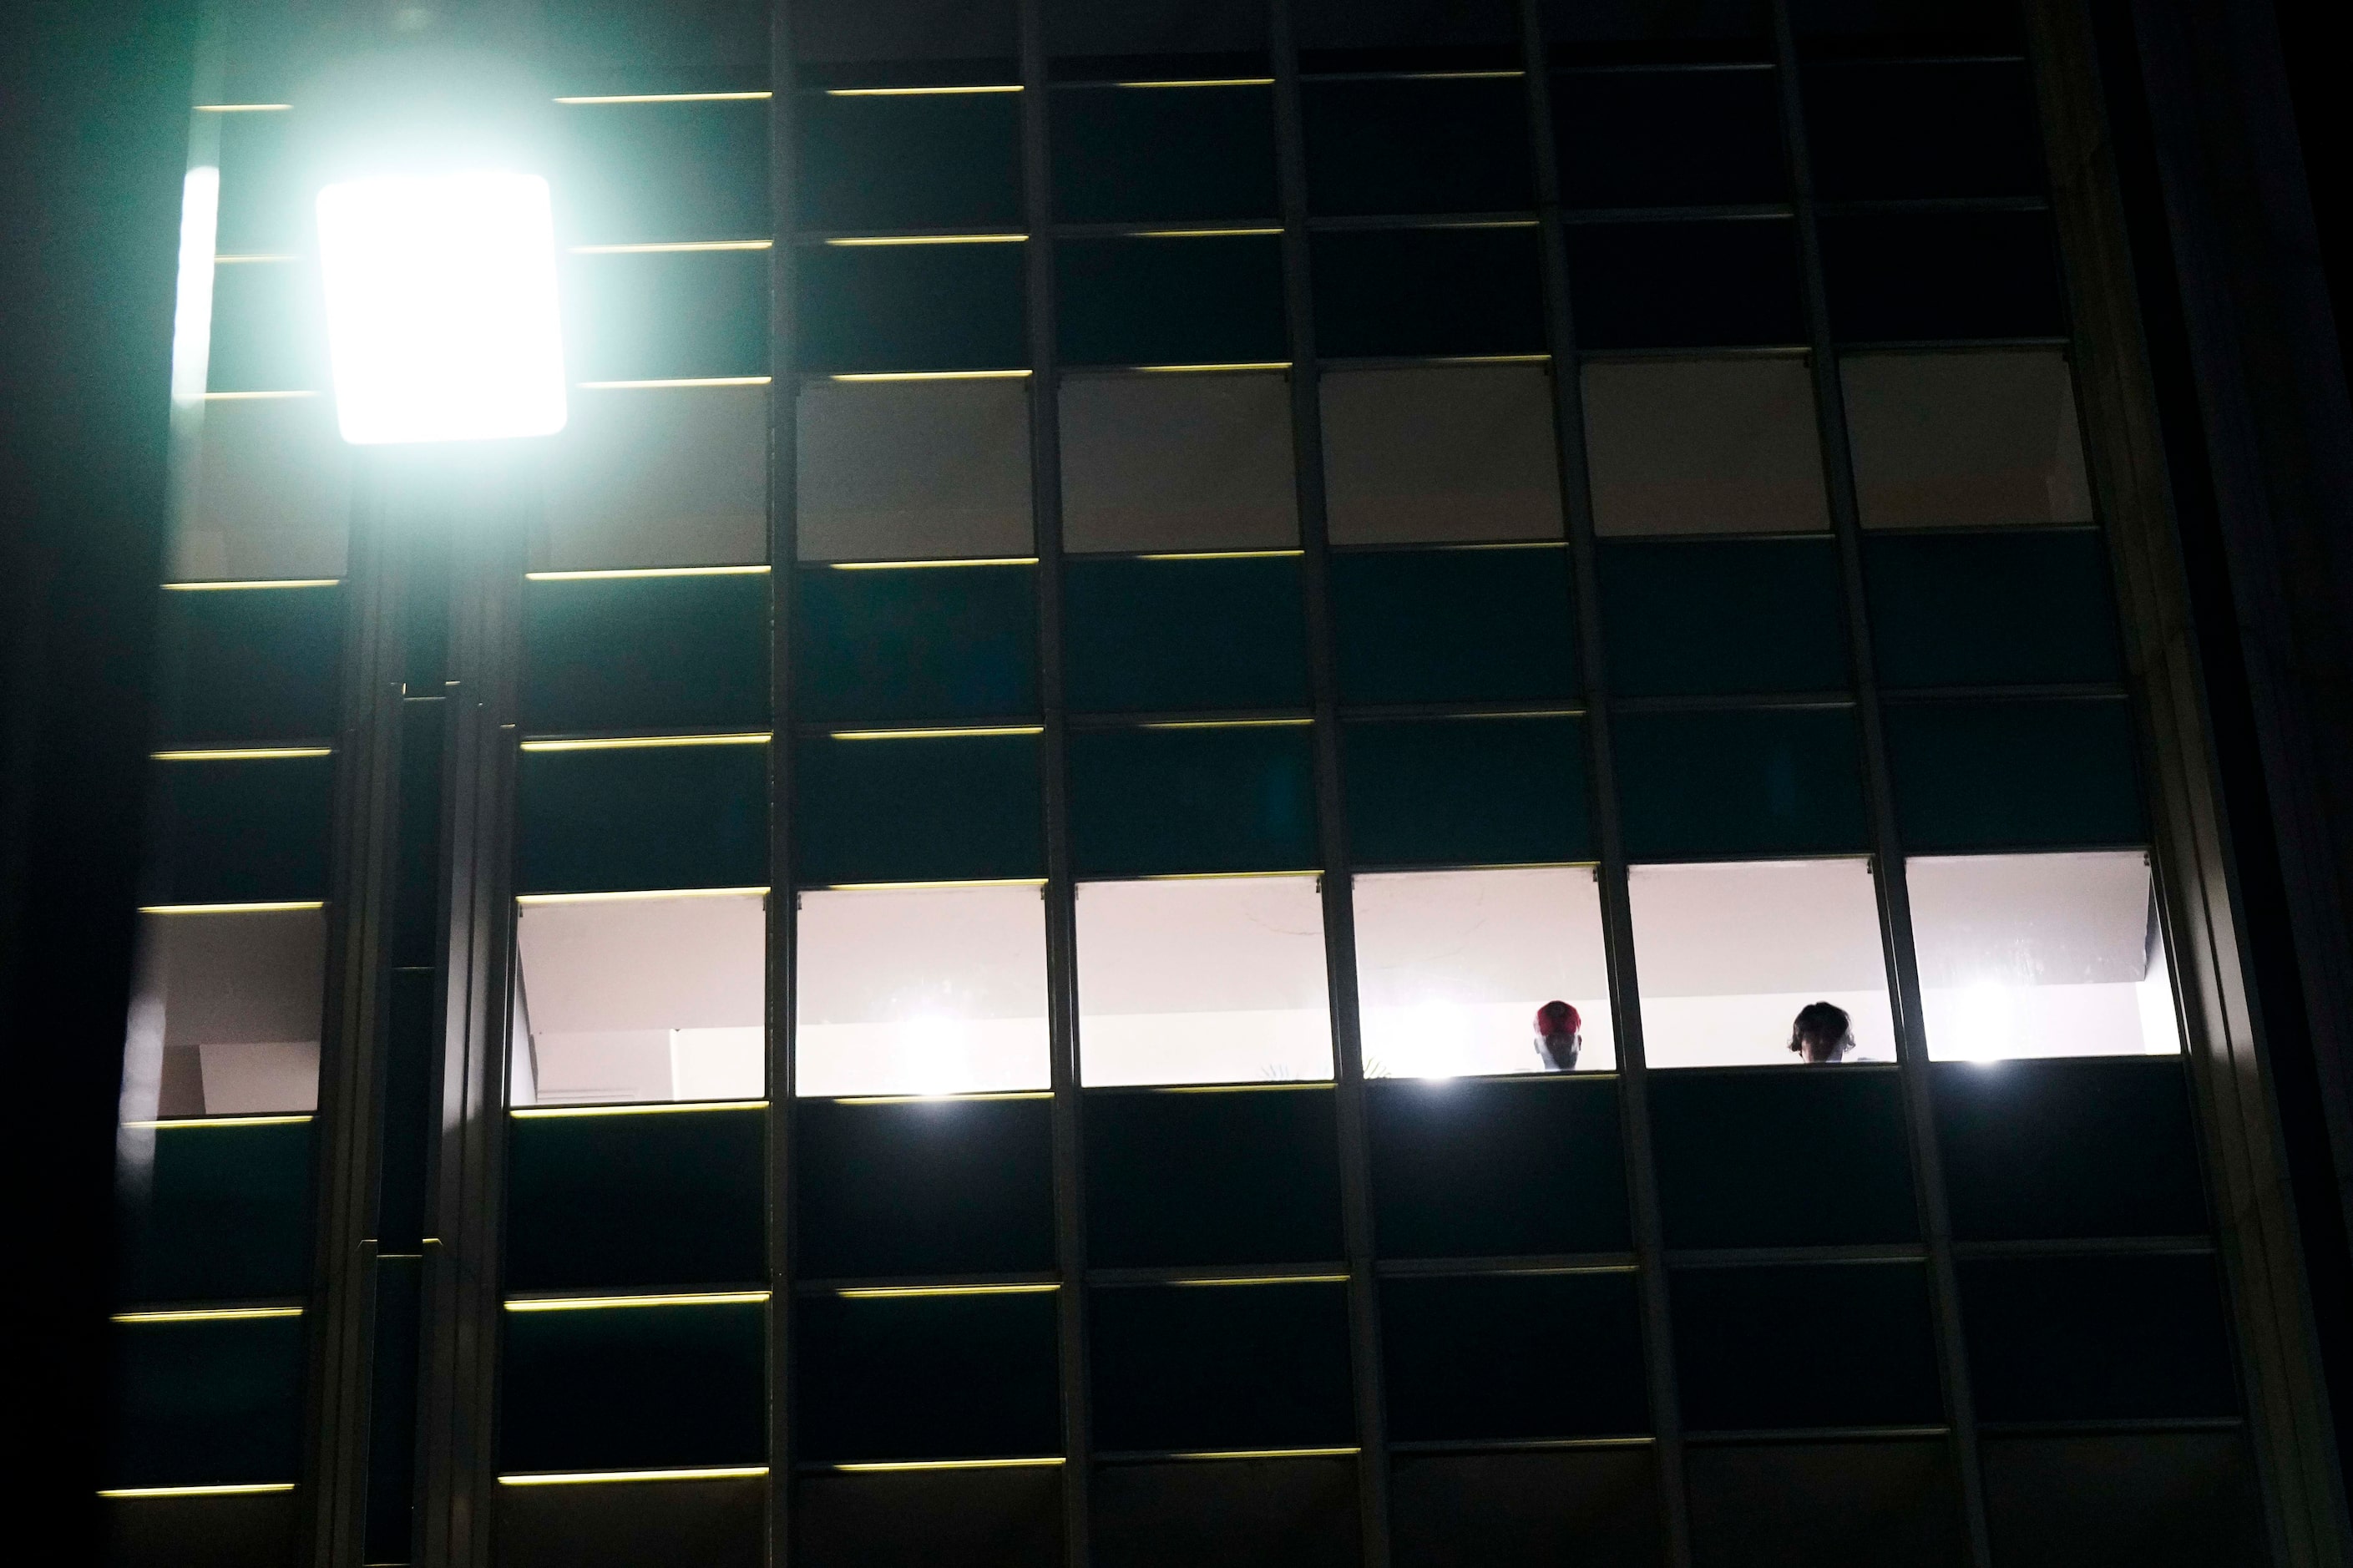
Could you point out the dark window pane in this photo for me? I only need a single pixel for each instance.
(1985, 775)
(2097, 1339)
(1615, 32)
(854, 43)
(2156, 1499)
(1466, 792)
(225, 1214)
(1145, 635)
(634, 173)
(215, 1402)
(915, 645)
(1824, 1345)
(667, 315)
(1685, 285)
(640, 818)
(1732, 615)
(1826, 1505)
(634, 1387)
(1406, 35)
(1220, 1367)
(649, 1201)
(952, 1186)
(1250, 1513)
(1782, 1158)
(1989, 609)
(2063, 1149)
(1156, 38)
(1410, 292)
(1417, 146)
(241, 830)
(1196, 300)
(1129, 154)
(1468, 1169)
(1593, 1506)
(661, 46)
(1667, 139)
(1436, 626)
(1164, 801)
(251, 665)
(646, 652)
(238, 1530)
(1212, 1178)
(1906, 26)
(1776, 783)
(1556, 1355)
(269, 329)
(877, 307)
(954, 808)
(921, 162)
(929, 1377)
(930, 1519)
(711, 1524)
(1911, 276)
(1944, 127)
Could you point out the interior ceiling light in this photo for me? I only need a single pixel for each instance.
(442, 322)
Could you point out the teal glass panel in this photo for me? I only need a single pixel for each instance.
(641, 173)
(2060, 1150)
(1749, 1361)
(929, 1377)
(2098, 1339)
(242, 830)
(1142, 636)
(1990, 775)
(923, 1187)
(1464, 1360)
(646, 652)
(1247, 1366)
(1192, 300)
(1782, 1157)
(640, 818)
(1188, 154)
(1394, 293)
(1722, 616)
(1446, 145)
(625, 1388)
(1497, 1167)
(642, 1202)
(269, 329)
(1203, 1179)
(962, 808)
(1158, 802)
(1765, 782)
(921, 161)
(223, 1214)
(1445, 626)
(656, 315)
(915, 646)
(215, 1402)
(1470, 791)
(1991, 609)
(867, 308)
(249, 667)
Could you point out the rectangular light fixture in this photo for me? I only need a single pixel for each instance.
(441, 311)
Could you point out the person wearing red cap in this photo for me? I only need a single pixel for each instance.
(1559, 1033)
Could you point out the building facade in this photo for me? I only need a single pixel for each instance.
(927, 939)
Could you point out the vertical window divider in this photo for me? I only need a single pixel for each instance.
(1617, 915)
(784, 897)
(1335, 884)
(1060, 891)
(1887, 845)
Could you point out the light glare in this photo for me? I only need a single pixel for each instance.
(441, 311)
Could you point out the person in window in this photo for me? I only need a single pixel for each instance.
(1822, 1033)
(1559, 1033)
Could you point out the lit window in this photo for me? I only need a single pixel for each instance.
(227, 1015)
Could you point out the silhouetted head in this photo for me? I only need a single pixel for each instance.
(1823, 1032)
(1559, 1033)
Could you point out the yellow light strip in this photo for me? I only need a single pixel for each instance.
(672, 247)
(1198, 233)
(646, 572)
(1272, 1087)
(931, 239)
(667, 97)
(655, 1108)
(874, 1465)
(168, 1122)
(1202, 369)
(242, 108)
(253, 255)
(536, 898)
(674, 382)
(1220, 554)
(259, 908)
(1463, 76)
(254, 396)
(645, 743)
(936, 734)
(920, 565)
(917, 887)
(228, 1490)
(1215, 876)
(1266, 1453)
(603, 1303)
(931, 376)
(205, 1314)
(1206, 81)
(588, 1477)
(940, 1099)
(1263, 1280)
(240, 754)
(1228, 724)
(890, 1292)
(912, 92)
(253, 582)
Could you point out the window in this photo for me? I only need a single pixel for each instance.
(637, 173)
(2015, 775)
(1177, 463)
(1466, 790)
(269, 327)
(660, 1384)
(1740, 783)
(1703, 447)
(658, 476)
(1184, 798)
(1244, 1176)
(1691, 617)
(1214, 1367)
(915, 646)
(924, 160)
(646, 652)
(921, 991)
(228, 1014)
(1397, 293)
(654, 1200)
(1946, 440)
(247, 666)
(853, 43)
(642, 817)
(1208, 299)
(878, 807)
(1451, 967)
(897, 308)
(271, 496)
(1910, 277)
(1417, 146)
(914, 470)
(1728, 951)
(1439, 455)
(241, 830)
(1438, 626)
(1743, 1370)
(1216, 979)
(659, 46)
(2018, 607)
(1222, 632)
(1922, 128)
(666, 315)
(1138, 152)
(1669, 138)
(1516, 1357)
(640, 999)
(960, 1375)
(2040, 955)
(1685, 284)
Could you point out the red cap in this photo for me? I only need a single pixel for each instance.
(1557, 1019)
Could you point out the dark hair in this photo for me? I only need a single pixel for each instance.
(1820, 1023)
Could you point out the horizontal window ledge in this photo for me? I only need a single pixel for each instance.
(1770, 1257)
(886, 237)
(1575, 68)
(220, 584)
(1425, 362)
(1710, 702)
(2118, 1426)
(208, 1313)
(1495, 73)
(1330, 1272)
(221, 1489)
(882, 1288)
(1010, 724)
(1740, 1069)
(1369, 223)
(634, 1108)
(603, 1478)
(1522, 1445)
(1284, 1086)
(1405, 712)
(668, 247)
(1950, 345)
(1213, 718)
(2055, 691)
(1792, 349)
(636, 1300)
(1493, 1267)
(1817, 1434)
(615, 741)
(1165, 1455)
(1720, 212)
(871, 1467)
(2090, 1247)
(1238, 227)
(173, 1123)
